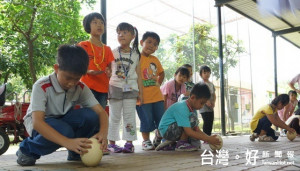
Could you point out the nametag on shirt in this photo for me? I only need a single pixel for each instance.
(127, 88)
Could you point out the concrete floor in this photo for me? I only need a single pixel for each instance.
(238, 154)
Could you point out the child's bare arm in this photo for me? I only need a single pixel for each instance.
(198, 134)
(165, 101)
(139, 81)
(285, 113)
(161, 78)
(274, 119)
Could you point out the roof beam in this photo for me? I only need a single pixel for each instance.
(286, 31)
(222, 2)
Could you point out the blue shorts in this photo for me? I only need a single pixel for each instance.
(101, 98)
(150, 115)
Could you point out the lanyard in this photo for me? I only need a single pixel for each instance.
(176, 92)
(103, 52)
(124, 68)
(190, 108)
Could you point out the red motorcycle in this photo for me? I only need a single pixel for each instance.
(11, 119)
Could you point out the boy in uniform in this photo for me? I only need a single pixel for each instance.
(51, 120)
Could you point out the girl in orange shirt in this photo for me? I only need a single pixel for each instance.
(100, 56)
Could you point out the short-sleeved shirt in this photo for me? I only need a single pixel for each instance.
(179, 113)
(97, 82)
(212, 90)
(267, 109)
(290, 107)
(168, 89)
(47, 96)
(296, 79)
(124, 62)
(151, 68)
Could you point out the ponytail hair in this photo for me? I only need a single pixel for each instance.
(126, 26)
(135, 45)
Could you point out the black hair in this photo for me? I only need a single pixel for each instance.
(152, 35)
(292, 92)
(187, 65)
(88, 19)
(73, 59)
(200, 90)
(204, 68)
(183, 71)
(297, 112)
(283, 98)
(126, 26)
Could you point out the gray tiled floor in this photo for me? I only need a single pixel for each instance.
(237, 148)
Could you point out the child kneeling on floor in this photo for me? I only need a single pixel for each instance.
(180, 123)
(266, 116)
(294, 120)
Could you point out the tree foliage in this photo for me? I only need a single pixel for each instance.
(180, 49)
(31, 31)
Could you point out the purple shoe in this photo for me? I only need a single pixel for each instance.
(170, 147)
(128, 148)
(184, 146)
(114, 148)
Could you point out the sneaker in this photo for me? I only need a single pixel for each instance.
(25, 160)
(170, 147)
(185, 146)
(196, 143)
(253, 137)
(114, 148)
(128, 148)
(282, 133)
(147, 145)
(72, 156)
(265, 138)
(164, 144)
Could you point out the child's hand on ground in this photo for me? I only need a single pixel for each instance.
(213, 140)
(78, 145)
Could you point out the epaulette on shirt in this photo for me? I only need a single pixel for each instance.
(81, 84)
(45, 84)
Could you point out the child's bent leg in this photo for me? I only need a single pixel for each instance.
(37, 145)
(183, 145)
(84, 121)
(266, 129)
